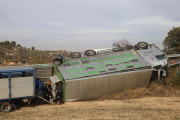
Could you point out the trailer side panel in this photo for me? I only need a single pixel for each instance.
(4, 88)
(22, 87)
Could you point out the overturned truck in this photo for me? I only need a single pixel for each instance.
(88, 76)
(103, 72)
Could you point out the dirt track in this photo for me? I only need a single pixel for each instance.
(166, 108)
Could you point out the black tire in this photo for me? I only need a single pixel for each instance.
(90, 53)
(6, 107)
(75, 55)
(142, 45)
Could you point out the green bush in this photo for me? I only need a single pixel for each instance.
(176, 79)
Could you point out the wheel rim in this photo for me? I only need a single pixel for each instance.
(142, 44)
(90, 53)
(75, 55)
(6, 108)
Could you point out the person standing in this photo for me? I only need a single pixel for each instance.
(59, 58)
(49, 87)
(58, 91)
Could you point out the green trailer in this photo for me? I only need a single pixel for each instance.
(90, 77)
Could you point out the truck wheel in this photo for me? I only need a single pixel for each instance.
(90, 52)
(142, 45)
(6, 107)
(75, 55)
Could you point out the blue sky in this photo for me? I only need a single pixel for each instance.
(78, 25)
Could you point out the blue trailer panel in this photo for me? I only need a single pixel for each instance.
(16, 82)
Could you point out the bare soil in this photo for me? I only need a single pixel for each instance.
(165, 108)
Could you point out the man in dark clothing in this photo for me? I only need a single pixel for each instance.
(58, 90)
(59, 58)
(49, 86)
(49, 89)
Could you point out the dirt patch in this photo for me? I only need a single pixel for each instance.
(165, 108)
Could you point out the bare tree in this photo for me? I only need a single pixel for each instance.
(121, 43)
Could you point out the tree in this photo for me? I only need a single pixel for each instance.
(13, 44)
(121, 43)
(10, 46)
(18, 45)
(172, 42)
(6, 43)
(32, 48)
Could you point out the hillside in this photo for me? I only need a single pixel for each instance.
(18, 55)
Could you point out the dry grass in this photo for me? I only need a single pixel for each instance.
(154, 90)
(151, 108)
(127, 94)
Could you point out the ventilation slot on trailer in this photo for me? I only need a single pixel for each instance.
(112, 69)
(84, 62)
(130, 66)
(66, 65)
(141, 68)
(135, 60)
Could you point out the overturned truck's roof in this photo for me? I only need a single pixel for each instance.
(104, 63)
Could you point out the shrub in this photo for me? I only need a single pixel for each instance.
(176, 79)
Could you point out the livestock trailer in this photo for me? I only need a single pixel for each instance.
(103, 71)
(90, 77)
(16, 82)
